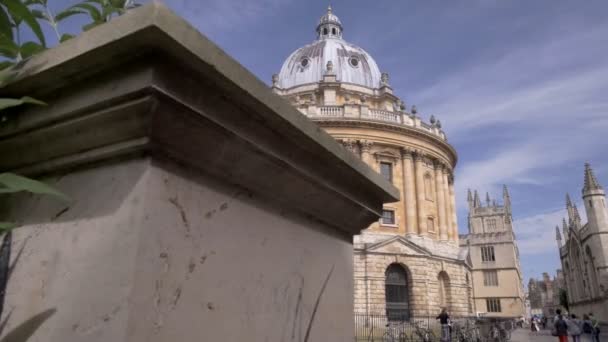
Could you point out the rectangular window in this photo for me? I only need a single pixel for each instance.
(487, 254)
(388, 217)
(491, 224)
(386, 170)
(493, 305)
(490, 278)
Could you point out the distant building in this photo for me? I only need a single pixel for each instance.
(493, 253)
(544, 294)
(584, 251)
(409, 263)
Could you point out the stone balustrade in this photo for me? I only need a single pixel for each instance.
(366, 113)
(332, 111)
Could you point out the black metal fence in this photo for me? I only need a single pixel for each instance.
(378, 328)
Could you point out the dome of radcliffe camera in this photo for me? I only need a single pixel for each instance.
(308, 64)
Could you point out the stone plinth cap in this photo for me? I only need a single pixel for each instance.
(149, 84)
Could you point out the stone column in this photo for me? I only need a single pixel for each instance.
(443, 233)
(448, 204)
(419, 169)
(453, 205)
(409, 187)
(366, 147)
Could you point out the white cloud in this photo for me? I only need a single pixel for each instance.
(545, 100)
(536, 234)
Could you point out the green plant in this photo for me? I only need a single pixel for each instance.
(15, 53)
(12, 183)
(99, 11)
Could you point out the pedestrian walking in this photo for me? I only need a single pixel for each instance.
(587, 329)
(574, 328)
(444, 319)
(560, 327)
(595, 324)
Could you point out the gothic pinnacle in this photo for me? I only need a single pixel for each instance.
(469, 196)
(558, 236)
(488, 199)
(568, 201)
(476, 200)
(591, 182)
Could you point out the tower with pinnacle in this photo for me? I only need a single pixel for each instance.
(493, 252)
(583, 249)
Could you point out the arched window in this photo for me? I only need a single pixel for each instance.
(593, 286)
(428, 187)
(325, 31)
(333, 31)
(579, 283)
(396, 289)
(444, 289)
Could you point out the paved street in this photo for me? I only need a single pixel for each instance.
(525, 335)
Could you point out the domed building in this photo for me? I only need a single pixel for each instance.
(408, 264)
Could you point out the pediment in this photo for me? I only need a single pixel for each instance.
(398, 245)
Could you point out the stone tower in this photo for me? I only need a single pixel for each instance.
(497, 278)
(583, 250)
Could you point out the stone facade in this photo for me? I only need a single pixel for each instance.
(497, 277)
(339, 86)
(584, 250)
(424, 260)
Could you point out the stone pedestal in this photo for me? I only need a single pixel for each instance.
(203, 206)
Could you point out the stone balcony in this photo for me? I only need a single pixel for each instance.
(362, 112)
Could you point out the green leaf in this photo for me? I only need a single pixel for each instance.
(4, 65)
(32, 2)
(91, 25)
(40, 15)
(92, 10)
(65, 37)
(7, 103)
(19, 10)
(8, 48)
(10, 182)
(68, 13)
(118, 3)
(6, 226)
(6, 28)
(28, 49)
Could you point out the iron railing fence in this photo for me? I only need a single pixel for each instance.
(381, 328)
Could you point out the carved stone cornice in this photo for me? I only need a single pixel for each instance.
(407, 153)
(411, 131)
(107, 104)
(366, 145)
(349, 144)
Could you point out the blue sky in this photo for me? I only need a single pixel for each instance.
(520, 86)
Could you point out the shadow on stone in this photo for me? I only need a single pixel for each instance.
(25, 330)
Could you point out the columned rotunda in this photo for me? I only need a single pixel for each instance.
(409, 263)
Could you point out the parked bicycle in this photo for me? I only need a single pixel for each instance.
(395, 332)
(498, 333)
(423, 334)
